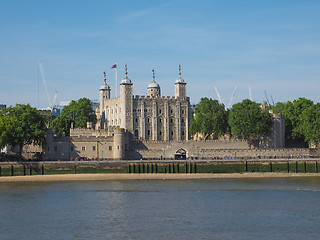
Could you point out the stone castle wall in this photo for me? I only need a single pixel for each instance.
(210, 150)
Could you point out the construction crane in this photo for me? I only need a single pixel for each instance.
(250, 94)
(265, 93)
(50, 101)
(218, 95)
(232, 96)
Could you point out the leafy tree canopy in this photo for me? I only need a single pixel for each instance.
(21, 125)
(310, 124)
(249, 121)
(294, 116)
(210, 119)
(279, 107)
(77, 112)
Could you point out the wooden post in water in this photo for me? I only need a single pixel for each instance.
(152, 170)
(195, 168)
(288, 167)
(139, 168)
(178, 168)
(0, 172)
(42, 170)
(12, 171)
(173, 168)
(296, 166)
(316, 170)
(75, 169)
(190, 167)
(24, 170)
(246, 166)
(186, 167)
(270, 166)
(30, 169)
(129, 168)
(157, 170)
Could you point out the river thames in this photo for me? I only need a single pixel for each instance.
(264, 208)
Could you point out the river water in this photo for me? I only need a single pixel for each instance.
(279, 208)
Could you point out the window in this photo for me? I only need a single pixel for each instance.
(149, 132)
(182, 111)
(93, 148)
(171, 120)
(148, 120)
(83, 148)
(110, 148)
(182, 120)
(145, 110)
(171, 111)
(118, 147)
(160, 133)
(172, 133)
(160, 120)
(159, 111)
(182, 133)
(116, 121)
(136, 119)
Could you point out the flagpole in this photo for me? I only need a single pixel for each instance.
(116, 80)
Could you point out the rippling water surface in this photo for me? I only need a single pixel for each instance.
(162, 209)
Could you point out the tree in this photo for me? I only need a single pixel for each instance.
(210, 119)
(310, 124)
(21, 125)
(279, 107)
(77, 112)
(294, 116)
(249, 121)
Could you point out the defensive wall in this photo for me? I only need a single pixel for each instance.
(211, 150)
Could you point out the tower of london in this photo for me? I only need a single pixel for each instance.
(152, 117)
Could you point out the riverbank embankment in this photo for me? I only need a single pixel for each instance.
(159, 176)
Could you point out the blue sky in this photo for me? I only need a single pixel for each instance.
(273, 46)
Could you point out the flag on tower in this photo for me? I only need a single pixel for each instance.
(114, 66)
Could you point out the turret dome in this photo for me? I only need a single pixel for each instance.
(153, 84)
(126, 80)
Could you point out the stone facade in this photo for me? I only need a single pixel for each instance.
(151, 127)
(152, 117)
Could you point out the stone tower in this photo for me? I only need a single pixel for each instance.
(154, 88)
(126, 104)
(104, 95)
(180, 87)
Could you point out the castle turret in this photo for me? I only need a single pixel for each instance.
(180, 86)
(154, 88)
(104, 91)
(104, 95)
(126, 104)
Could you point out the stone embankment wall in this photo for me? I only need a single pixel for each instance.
(211, 150)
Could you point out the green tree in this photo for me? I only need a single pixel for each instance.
(210, 119)
(310, 124)
(249, 121)
(77, 112)
(294, 116)
(279, 107)
(21, 125)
